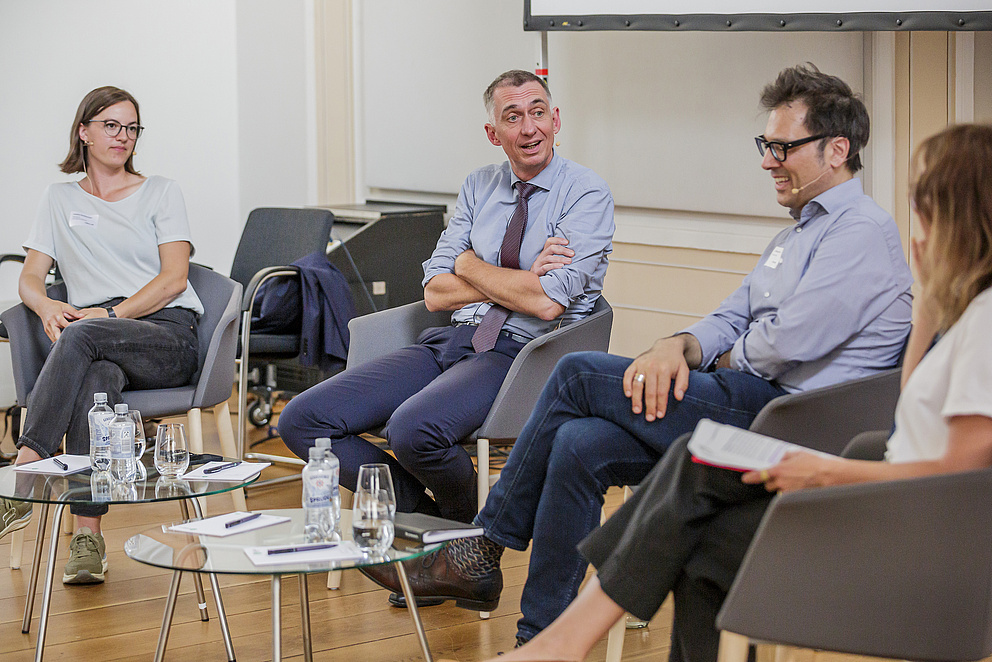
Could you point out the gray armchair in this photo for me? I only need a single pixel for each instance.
(210, 388)
(899, 569)
(385, 331)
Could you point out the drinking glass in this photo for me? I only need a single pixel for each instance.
(139, 434)
(374, 509)
(171, 454)
(139, 443)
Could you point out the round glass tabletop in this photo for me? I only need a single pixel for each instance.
(162, 548)
(90, 487)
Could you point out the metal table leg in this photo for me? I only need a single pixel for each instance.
(170, 609)
(411, 605)
(39, 545)
(215, 588)
(305, 616)
(276, 619)
(201, 599)
(46, 599)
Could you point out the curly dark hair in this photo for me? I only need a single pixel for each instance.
(833, 108)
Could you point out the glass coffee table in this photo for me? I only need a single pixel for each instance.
(86, 488)
(182, 552)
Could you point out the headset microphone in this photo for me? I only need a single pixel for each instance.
(797, 190)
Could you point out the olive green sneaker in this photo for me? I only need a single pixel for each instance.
(87, 558)
(16, 515)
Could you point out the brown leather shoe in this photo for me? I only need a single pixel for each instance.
(435, 576)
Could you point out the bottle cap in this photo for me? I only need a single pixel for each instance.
(322, 442)
(121, 408)
(99, 397)
(316, 453)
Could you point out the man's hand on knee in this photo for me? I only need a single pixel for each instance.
(665, 366)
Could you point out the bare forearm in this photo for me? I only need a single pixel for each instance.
(515, 289)
(449, 292)
(155, 295)
(32, 291)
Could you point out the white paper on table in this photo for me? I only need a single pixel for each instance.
(238, 474)
(342, 551)
(733, 448)
(76, 463)
(216, 526)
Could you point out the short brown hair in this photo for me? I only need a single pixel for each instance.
(511, 78)
(952, 192)
(92, 105)
(833, 109)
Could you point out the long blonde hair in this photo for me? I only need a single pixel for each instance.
(952, 193)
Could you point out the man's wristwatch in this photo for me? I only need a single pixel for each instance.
(110, 312)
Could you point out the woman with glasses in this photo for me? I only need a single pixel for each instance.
(122, 244)
(943, 425)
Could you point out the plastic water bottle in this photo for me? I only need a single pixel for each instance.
(122, 445)
(100, 416)
(318, 515)
(334, 465)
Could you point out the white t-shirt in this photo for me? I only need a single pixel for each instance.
(106, 249)
(953, 379)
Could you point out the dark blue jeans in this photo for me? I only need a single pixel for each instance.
(109, 355)
(429, 396)
(580, 439)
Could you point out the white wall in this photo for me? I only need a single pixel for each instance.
(208, 127)
(667, 119)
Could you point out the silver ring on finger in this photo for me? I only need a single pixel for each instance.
(639, 378)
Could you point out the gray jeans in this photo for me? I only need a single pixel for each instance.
(109, 355)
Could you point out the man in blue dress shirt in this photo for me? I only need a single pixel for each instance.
(828, 301)
(435, 393)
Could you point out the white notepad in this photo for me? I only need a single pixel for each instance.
(217, 525)
(238, 474)
(729, 447)
(76, 463)
(342, 551)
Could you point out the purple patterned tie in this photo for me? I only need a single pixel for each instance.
(485, 336)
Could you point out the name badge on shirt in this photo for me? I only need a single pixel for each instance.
(775, 258)
(79, 218)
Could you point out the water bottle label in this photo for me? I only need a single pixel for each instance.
(122, 442)
(316, 492)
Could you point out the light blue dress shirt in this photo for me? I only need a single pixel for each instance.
(828, 301)
(571, 201)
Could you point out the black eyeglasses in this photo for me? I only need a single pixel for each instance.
(780, 150)
(113, 128)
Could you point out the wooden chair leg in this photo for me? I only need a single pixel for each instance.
(733, 647)
(225, 432)
(68, 523)
(482, 456)
(16, 548)
(482, 453)
(194, 437)
(614, 641)
(334, 577)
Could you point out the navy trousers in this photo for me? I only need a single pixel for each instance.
(426, 398)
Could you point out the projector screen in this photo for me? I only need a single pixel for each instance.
(756, 15)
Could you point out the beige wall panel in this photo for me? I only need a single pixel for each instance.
(656, 291)
(742, 262)
(635, 330)
(671, 289)
(983, 77)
